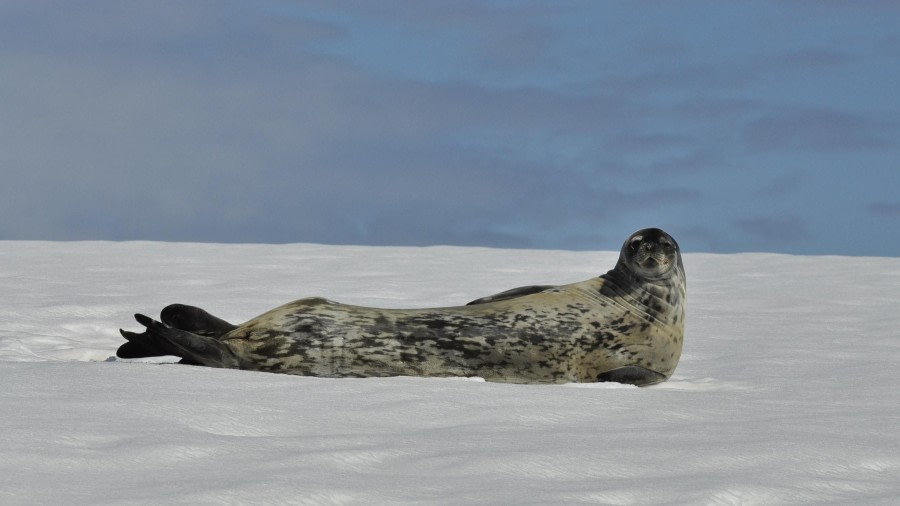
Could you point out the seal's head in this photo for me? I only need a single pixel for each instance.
(651, 254)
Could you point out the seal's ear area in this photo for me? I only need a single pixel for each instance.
(655, 235)
(665, 240)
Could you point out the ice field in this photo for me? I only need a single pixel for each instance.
(786, 393)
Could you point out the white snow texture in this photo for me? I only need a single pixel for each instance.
(786, 393)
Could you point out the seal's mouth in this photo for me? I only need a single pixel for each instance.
(651, 259)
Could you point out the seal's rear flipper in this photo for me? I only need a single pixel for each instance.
(194, 320)
(632, 375)
(160, 339)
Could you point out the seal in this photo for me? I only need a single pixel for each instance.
(625, 326)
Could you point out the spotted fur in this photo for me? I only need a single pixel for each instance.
(626, 325)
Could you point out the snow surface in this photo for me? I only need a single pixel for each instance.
(787, 390)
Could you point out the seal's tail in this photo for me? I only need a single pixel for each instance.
(160, 339)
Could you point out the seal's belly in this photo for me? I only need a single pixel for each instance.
(524, 344)
(364, 342)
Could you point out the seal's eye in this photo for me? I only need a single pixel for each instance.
(635, 243)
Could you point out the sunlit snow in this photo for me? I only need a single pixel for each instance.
(787, 391)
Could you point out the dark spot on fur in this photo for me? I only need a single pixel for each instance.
(306, 328)
(521, 318)
(581, 309)
(605, 336)
(412, 356)
(436, 324)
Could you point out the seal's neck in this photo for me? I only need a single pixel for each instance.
(652, 297)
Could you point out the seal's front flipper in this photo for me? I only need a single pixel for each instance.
(512, 294)
(194, 320)
(632, 375)
(160, 339)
